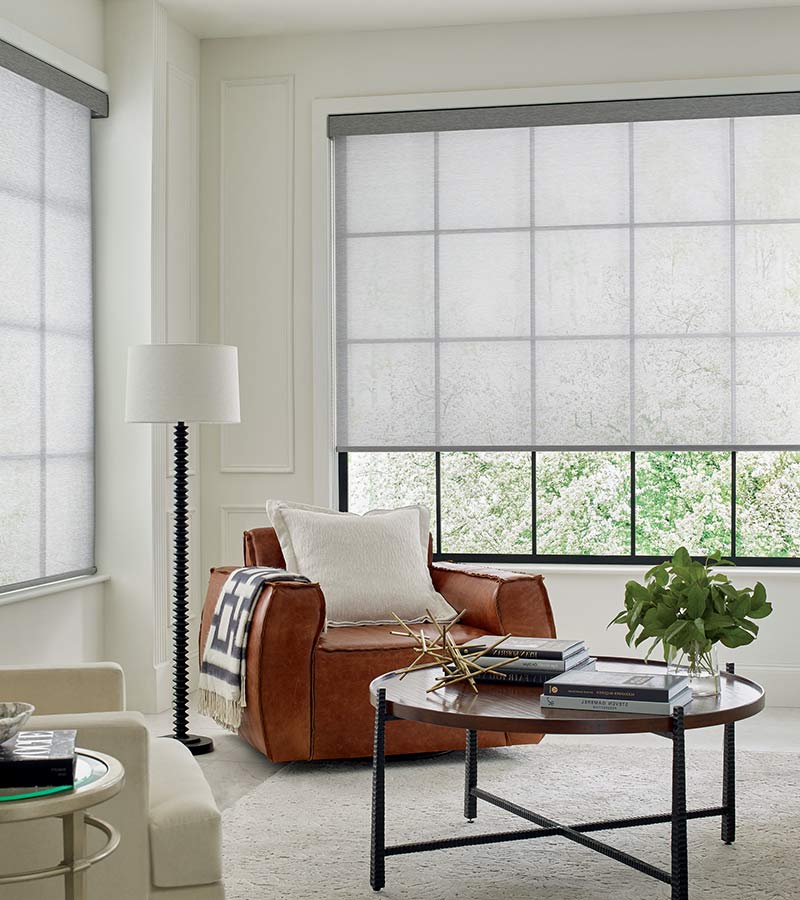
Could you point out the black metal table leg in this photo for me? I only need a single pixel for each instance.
(377, 856)
(680, 853)
(471, 776)
(729, 778)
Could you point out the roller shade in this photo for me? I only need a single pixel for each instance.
(615, 284)
(46, 347)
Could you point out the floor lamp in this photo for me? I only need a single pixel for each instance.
(178, 384)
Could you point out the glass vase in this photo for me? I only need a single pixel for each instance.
(702, 667)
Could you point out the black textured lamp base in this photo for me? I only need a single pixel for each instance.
(196, 744)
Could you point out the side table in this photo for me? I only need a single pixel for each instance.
(98, 778)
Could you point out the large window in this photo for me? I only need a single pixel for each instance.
(578, 323)
(46, 355)
(588, 506)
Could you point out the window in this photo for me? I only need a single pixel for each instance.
(46, 354)
(581, 321)
(484, 506)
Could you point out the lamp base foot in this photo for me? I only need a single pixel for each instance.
(196, 744)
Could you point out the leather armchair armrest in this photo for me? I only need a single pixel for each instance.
(496, 600)
(286, 623)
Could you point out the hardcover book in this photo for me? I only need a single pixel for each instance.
(599, 704)
(528, 647)
(529, 676)
(635, 685)
(526, 664)
(39, 759)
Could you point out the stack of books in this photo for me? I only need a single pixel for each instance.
(538, 659)
(38, 759)
(626, 692)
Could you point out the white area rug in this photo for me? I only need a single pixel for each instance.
(304, 833)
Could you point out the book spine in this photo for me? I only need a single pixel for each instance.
(44, 773)
(524, 665)
(599, 705)
(534, 678)
(557, 655)
(587, 691)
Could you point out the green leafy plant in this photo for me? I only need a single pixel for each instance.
(686, 605)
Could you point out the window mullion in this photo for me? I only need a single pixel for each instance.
(438, 470)
(344, 486)
(534, 525)
(733, 504)
(633, 503)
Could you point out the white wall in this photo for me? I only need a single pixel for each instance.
(256, 250)
(123, 165)
(177, 297)
(74, 26)
(61, 627)
(145, 291)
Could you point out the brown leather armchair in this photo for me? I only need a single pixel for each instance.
(307, 690)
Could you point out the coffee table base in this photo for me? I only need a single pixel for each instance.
(677, 876)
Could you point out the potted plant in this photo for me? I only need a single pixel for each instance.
(689, 608)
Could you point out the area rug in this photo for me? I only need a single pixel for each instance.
(304, 833)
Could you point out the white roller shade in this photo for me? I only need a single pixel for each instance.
(46, 377)
(618, 285)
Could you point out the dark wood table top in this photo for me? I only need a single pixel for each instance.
(515, 707)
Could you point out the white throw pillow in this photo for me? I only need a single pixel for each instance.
(367, 566)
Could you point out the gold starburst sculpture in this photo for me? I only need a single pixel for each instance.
(457, 663)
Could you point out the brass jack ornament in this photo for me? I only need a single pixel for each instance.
(458, 663)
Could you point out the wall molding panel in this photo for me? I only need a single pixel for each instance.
(256, 248)
(234, 519)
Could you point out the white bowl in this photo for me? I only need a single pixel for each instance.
(13, 715)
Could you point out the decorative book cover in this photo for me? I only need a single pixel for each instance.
(528, 647)
(635, 707)
(39, 759)
(617, 685)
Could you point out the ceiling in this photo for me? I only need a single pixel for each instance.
(237, 18)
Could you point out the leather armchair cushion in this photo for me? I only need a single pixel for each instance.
(379, 638)
(185, 825)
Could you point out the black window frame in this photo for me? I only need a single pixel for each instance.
(534, 557)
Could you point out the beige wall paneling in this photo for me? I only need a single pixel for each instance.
(233, 522)
(255, 252)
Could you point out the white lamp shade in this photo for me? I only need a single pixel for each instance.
(182, 383)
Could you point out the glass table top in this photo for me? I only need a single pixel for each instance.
(88, 770)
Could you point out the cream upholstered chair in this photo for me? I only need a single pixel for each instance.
(170, 824)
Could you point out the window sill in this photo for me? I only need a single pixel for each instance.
(632, 571)
(55, 587)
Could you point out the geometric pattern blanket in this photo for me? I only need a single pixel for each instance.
(222, 670)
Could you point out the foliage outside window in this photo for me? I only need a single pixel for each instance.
(578, 506)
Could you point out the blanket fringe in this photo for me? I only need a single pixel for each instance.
(226, 713)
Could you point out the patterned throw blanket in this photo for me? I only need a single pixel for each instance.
(222, 670)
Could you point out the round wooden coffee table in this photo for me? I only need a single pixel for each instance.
(516, 708)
